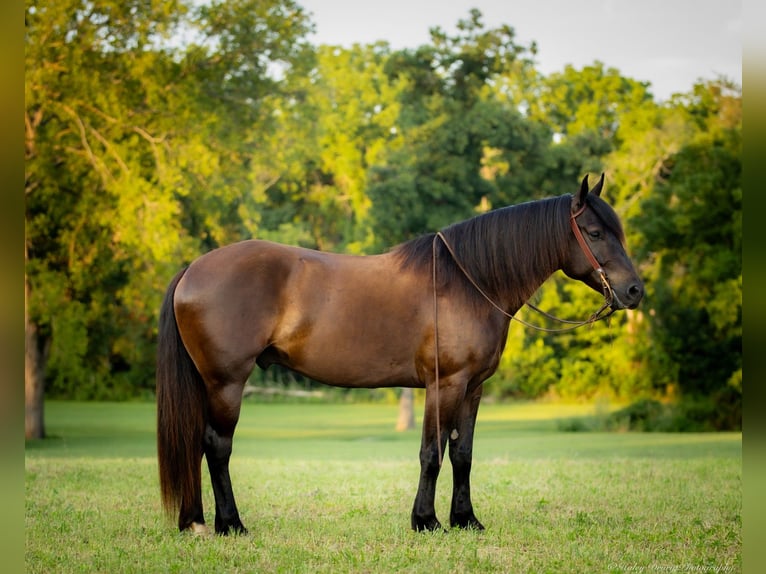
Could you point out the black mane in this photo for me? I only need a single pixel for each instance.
(509, 251)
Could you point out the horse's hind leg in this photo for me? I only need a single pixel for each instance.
(191, 515)
(224, 408)
(461, 454)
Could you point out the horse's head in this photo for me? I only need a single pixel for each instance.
(597, 249)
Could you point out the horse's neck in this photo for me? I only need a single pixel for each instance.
(532, 261)
(518, 292)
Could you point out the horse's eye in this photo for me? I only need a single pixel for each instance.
(595, 234)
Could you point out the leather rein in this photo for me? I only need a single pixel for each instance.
(609, 298)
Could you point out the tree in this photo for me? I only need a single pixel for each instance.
(338, 122)
(586, 115)
(157, 131)
(692, 249)
(589, 100)
(78, 91)
(674, 177)
(455, 133)
(406, 420)
(135, 161)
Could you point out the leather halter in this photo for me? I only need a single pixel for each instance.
(581, 240)
(609, 295)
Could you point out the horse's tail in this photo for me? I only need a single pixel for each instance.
(181, 417)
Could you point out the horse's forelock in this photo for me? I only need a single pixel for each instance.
(607, 215)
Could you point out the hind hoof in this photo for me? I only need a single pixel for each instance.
(199, 529)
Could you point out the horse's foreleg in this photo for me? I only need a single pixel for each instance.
(461, 455)
(423, 511)
(217, 444)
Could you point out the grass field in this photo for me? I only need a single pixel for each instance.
(329, 488)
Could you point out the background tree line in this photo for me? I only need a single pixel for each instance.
(156, 131)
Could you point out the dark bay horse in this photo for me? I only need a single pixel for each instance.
(367, 321)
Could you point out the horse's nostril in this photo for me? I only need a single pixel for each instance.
(635, 291)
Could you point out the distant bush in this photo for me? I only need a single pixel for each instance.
(644, 415)
(719, 412)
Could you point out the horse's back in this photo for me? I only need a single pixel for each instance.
(326, 315)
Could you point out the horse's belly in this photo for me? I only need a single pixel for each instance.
(351, 364)
(352, 330)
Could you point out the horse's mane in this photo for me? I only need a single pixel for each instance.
(509, 251)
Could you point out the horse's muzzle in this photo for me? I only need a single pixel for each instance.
(629, 299)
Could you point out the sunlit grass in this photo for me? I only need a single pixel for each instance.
(328, 488)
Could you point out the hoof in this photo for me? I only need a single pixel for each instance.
(235, 527)
(199, 529)
(466, 523)
(470, 525)
(426, 524)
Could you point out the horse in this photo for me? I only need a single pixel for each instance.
(367, 321)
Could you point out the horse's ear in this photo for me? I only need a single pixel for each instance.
(578, 200)
(598, 187)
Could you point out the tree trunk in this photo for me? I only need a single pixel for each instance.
(34, 370)
(406, 411)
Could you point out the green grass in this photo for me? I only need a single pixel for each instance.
(329, 488)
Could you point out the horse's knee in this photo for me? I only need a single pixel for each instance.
(429, 460)
(461, 454)
(217, 447)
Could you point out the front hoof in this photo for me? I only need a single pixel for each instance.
(234, 527)
(469, 522)
(425, 523)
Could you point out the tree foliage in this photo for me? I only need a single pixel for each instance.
(156, 131)
(138, 157)
(462, 138)
(692, 244)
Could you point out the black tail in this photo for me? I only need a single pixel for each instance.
(181, 418)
